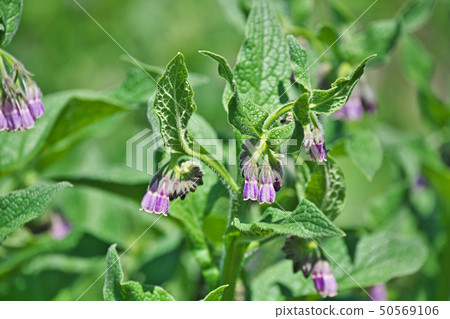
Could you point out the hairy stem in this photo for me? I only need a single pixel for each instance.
(234, 250)
(277, 113)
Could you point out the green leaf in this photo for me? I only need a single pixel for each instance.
(280, 134)
(433, 108)
(417, 62)
(383, 256)
(68, 115)
(326, 188)
(365, 150)
(10, 12)
(19, 207)
(174, 105)
(247, 117)
(379, 38)
(278, 281)
(263, 62)
(416, 13)
(299, 61)
(115, 290)
(306, 221)
(379, 258)
(191, 213)
(243, 113)
(216, 294)
(329, 101)
(224, 68)
(301, 110)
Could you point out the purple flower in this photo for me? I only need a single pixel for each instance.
(60, 228)
(34, 97)
(352, 110)
(361, 99)
(318, 153)
(27, 118)
(169, 184)
(323, 278)
(379, 292)
(314, 143)
(3, 122)
(20, 98)
(266, 190)
(250, 174)
(12, 115)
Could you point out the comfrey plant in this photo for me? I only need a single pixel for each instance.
(268, 129)
(20, 101)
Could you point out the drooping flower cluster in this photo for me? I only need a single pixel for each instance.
(262, 173)
(305, 255)
(20, 100)
(314, 142)
(169, 183)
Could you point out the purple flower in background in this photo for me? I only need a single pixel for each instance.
(323, 278)
(60, 228)
(362, 99)
(379, 292)
(352, 110)
(169, 184)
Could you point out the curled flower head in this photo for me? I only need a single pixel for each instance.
(169, 184)
(20, 99)
(303, 253)
(323, 278)
(262, 173)
(314, 143)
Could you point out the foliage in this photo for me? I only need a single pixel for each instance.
(375, 208)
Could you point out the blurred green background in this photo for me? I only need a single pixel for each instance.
(65, 49)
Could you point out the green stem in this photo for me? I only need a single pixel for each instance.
(277, 113)
(212, 162)
(234, 250)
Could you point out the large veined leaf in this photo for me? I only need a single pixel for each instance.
(10, 12)
(329, 101)
(174, 105)
(67, 115)
(378, 258)
(299, 62)
(326, 188)
(115, 289)
(306, 221)
(21, 206)
(263, 63)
